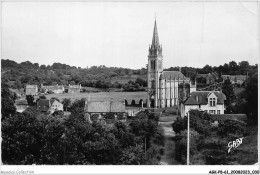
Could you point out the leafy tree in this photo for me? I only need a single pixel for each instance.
(231, 127)
(7, 102)
(42, 97)
(199, 121)
(227, 89)
(251, 95)
(30, 99)
(22, 139)
(18, 84)
(66, 103)
(181, 144)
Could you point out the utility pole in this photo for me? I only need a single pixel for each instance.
(188, 140)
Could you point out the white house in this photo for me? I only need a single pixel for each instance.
(211, 102)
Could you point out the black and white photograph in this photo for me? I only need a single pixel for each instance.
(162, 83)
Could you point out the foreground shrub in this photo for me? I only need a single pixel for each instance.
(229, 127)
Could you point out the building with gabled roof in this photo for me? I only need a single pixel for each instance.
(74, 89)
(211, 102)
(165, 88)
(235, 79)
(46, 105)
(57, 89)
(104, 106)
(31, 90)
(21, 105)
(98, 110)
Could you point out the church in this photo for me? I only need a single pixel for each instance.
(165, 88)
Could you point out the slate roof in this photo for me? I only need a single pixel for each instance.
(31, 86)
(200, 98)
(43, 105)
(21, 102)
(104, 106)
(172, 75)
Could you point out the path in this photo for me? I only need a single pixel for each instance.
(169, 145)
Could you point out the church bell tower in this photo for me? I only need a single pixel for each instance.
(155, 69)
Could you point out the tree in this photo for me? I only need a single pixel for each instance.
(7, 102)
(251, 95)
(22, 139)
(18, 84)
(30, 99)
(66, 103)
(231, 127)
(42, 97)
(227, 89)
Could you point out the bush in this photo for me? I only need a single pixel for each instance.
(179, 125)
(229, 127)
(199, 121)
(181, 144)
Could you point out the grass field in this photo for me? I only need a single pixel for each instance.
(102, 96)
(125, 79)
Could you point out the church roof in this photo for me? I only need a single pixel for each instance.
(201, 97)
(155, 41)
(172, 75)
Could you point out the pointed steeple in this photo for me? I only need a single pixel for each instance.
(155, 41)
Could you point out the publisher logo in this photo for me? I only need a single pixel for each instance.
(234, 144)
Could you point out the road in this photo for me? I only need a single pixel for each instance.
(169, 145)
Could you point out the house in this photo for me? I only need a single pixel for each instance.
(57, 89)
(21, 105)
(74, 88)
(46, 105)
(31, 90)
(104, 108)
(211, 102)
(235, 79)
(210, 78)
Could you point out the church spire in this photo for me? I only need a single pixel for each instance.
(155, 41)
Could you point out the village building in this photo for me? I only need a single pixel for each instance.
(31, 90)
(103, 108)
(21, 105)
(74, 89)
(235, 79)
(211, 102)
(210, 78)
(56, 89)
(46, 105)
(165, 88)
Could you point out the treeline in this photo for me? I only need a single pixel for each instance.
(33, 73)
(32, 137)
(231, 68)
(101, 76)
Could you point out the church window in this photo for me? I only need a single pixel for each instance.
(153, 65)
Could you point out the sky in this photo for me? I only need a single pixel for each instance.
(118, 34)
